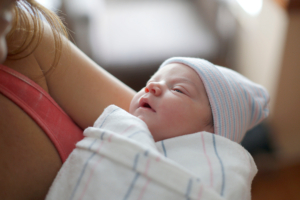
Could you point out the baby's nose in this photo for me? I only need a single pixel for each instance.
(154, 88)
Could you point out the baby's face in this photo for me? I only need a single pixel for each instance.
(173, 103)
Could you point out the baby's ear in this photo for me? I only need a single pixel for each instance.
(210, 126)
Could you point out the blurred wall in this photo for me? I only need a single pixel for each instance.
(268, 52)
(286, 116)
(259, 45)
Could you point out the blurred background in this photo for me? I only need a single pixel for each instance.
(258, 38)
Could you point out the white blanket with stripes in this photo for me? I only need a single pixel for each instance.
(118, 159)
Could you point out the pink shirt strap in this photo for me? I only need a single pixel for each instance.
(40, 106)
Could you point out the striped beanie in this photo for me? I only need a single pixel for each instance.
(237, 103)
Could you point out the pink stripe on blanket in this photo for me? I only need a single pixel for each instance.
(90, 177)
(200, 192)
(129, 127)
(144, 189)
(92, 172)
(208, 160)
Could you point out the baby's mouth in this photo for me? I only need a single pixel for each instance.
(146, 105)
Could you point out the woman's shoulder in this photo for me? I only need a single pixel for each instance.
(22, 46)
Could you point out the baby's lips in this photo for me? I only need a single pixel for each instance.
(144, 102)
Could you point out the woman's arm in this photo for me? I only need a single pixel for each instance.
(29, 160)
(79, 85)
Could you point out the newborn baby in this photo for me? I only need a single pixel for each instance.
(179, 142)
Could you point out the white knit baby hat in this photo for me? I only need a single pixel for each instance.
(237, 103)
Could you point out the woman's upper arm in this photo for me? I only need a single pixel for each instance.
(79, 85)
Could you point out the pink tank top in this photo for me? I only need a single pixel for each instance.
(38, 104)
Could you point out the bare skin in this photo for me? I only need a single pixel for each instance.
(28, 160)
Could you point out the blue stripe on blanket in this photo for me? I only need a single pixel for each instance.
(189, 188)
(81, 175)
(107, 117)
(222, 166)
(131, 186)
(133, 134)
(90, 147)
(136, 159)
(102, 135)
(164, 148)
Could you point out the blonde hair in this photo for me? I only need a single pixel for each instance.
(28, 19)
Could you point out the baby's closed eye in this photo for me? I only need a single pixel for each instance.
(178, 90)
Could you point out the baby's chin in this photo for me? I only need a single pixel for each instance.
(141, 117)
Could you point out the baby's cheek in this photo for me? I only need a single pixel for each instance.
(134, 104)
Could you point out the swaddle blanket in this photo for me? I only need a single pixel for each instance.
(118, 159)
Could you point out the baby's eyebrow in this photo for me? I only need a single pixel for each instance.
(182, 79)
(188, 81)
